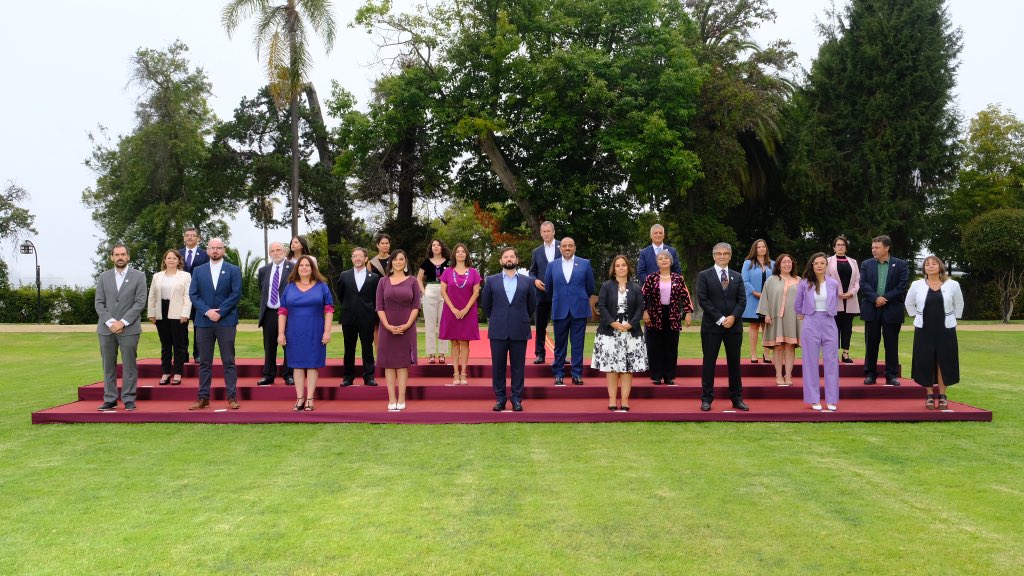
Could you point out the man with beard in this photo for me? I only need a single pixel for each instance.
(121, 296)
(509, 301)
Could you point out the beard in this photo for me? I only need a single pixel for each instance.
(509, 265)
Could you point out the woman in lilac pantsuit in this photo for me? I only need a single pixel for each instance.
(817, 301)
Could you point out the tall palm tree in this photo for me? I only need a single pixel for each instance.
(280, 37)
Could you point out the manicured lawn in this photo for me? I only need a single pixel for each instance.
(616, 499)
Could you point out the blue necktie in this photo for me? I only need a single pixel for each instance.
(275, 285)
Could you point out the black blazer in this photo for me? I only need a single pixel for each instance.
(539, 266)
(358, 307)
(263, 277)
(717, 303)
(608, 307)
(896, 282)
(198, 259)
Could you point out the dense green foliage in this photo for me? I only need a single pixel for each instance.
(992, 244)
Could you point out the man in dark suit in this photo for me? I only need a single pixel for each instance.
(883, 285)
(509, 301)
(722, 297)
(121, 297)
(215, 291)
(542, 256)
(357, 299)
(647, 264)
(191, 257)
(272, 279)
(570, 281)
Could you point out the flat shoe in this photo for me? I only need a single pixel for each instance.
(392, 407)
(816, 407)
(832, 407)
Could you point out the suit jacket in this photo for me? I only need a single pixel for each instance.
(508, 321)
(852, 304)
(895, 289)
(225, 296)
(198, 259)
(608, 307)
(263, 277)
(803, 305)
(358, 306)
(539, 266)
(125, 304)
(647, 264)
(717, 303)
(180, 306)
(570, 298)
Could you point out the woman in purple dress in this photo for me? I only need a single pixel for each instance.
(460, 288)
(398, 304)
(304, 326)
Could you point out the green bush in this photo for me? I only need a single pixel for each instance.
(58, 305)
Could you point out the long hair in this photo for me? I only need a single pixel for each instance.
(444, 249)
(293, 276)
(778, 269)
(469, 261)
(630, 271)
(752, 256)
(391, 262)
(942, 266)
(302, 242)
(809, 274)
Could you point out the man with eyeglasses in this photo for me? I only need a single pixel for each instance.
(192, 256)
(722, 297)
(215, 291)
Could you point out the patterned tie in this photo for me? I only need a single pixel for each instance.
(725, 280)
(275, 285)
(188, 259)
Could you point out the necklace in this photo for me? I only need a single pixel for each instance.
(465, 281)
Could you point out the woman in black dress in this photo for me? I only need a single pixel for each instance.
(935, 302)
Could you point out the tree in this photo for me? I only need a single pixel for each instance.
(154, 182)
(991, 176)
(280, 34)
(878, 139)
(992, 244)
(14, 220)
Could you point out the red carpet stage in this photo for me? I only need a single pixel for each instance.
(431, 399)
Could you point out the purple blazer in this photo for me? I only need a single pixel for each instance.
(804, 304)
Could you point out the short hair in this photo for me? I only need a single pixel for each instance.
(366, 253)
(667, 254)
(721, 245)
(506, 249)
(163, 259)
(546, 223)
(391, 261)
(271, 245)
(303, 242)
(843, 238)
(942, 266)
(294, 276)
(469, 262)
(885, 240)
(120, 245)
(777, 271)
(630, 270)
(190, 229)
(444, 249)
(657, 226)
(752, 255)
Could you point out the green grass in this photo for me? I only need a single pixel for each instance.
(655, 498)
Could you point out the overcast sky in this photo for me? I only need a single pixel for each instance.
(65, 67)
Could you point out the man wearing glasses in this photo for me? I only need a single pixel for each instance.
(215, 291)
(722, 297)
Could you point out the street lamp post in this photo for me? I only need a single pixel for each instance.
(27, 247)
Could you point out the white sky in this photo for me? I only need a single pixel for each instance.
(65, 67)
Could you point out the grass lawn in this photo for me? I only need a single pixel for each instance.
(646, 498)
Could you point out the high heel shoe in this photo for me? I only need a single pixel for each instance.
(176, 380)
(440, 358)
(299, 404)
(612, 408)
(309, 405)
(753, 360)
(165, 379)
(432, 359)
(624, 409)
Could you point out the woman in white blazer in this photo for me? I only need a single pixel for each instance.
(844, 270)
(935, 302)
(169, 309)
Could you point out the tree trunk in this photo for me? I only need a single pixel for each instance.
(295, 164)
(510, 180)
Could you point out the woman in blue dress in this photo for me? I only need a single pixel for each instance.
(304, 326)
(756, 269)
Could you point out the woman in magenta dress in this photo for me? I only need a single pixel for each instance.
(460, 288)
(398, 303)
(304, 326)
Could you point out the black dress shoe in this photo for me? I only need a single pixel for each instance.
(670, 382)
(129, 406)
(370, 382)
(538, 360)
(499, 406)
(869, 379)
(577, 381)
(705, 406)
(288, 380)
(107, 407)
(517, 407)
(346, 383)
(264, 381)
(559, 382)
(892, 381)
(656, 382)
(740, 405)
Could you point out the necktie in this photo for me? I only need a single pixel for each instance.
(188, 259)
(725, 280)
(275, 285)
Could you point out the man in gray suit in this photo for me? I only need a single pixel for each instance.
(121, 296)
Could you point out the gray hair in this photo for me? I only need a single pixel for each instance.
(720, 246)
(547, 223)
(271, 245)
(666, 254)
(657, 227)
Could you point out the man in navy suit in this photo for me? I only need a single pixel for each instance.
(191, 256)
(647, 264)
(357, 301)
(883, 285)
(272, 279)
(570, 281)
(509, 301)
(722, 298)
(215, 291)
(542, 256)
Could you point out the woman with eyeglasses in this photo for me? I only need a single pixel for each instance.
(845, 270)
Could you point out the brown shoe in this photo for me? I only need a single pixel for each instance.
(200, 404)
(233, 404)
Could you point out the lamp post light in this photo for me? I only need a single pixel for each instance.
(27, 247)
